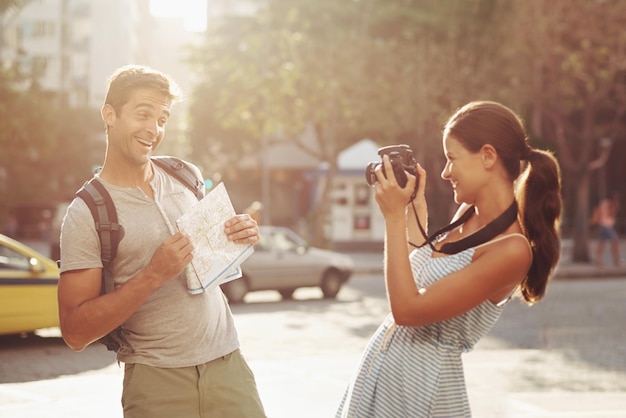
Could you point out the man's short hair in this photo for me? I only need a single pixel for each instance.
(129, 78)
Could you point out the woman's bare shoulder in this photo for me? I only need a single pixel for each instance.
(509, 245)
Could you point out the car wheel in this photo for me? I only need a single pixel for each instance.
(286, 294)
(331, 284)
(235, 290)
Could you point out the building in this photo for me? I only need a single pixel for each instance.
(68, 48)
(289, 183)
(354, 216)
(71, 46)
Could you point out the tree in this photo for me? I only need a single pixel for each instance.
(576, 68)
(295, 65)
(46, 150)
(349, 70)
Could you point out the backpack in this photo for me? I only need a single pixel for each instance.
(111, 232)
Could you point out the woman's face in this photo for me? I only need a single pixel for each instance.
(463, 170)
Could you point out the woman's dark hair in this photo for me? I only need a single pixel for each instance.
(132, 77)
(538, 186)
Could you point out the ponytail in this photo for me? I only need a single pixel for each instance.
(539, 199)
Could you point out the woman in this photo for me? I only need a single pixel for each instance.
(448, 292)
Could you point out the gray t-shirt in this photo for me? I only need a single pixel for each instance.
(172, 328)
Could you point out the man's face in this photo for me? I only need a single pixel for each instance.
(137, 131)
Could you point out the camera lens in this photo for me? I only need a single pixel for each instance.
(401, 158)
(370, 175)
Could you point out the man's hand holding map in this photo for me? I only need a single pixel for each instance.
(216, 260)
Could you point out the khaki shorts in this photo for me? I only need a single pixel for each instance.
(224, 387)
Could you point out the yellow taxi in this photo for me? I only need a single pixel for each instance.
(28, 288)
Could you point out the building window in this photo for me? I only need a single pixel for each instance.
(362, 194)
(340, 194)
(38, 29)
(39, 65)
(361, 222)
(35, 65)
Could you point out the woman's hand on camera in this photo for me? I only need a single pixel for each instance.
(391, 198)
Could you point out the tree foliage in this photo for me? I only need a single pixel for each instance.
(385, 70)
(46, 150)
(47, 147)
(351, 69)
(574, 61)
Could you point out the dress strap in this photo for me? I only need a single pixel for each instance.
(505, 237)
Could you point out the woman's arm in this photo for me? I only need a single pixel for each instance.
(494, 269)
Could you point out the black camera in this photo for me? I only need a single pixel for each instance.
(401, 158)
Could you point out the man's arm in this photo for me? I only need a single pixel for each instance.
(85, 315)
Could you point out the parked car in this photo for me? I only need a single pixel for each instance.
(28, 288)
(284, 262)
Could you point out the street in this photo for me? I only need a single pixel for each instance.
(565, 357)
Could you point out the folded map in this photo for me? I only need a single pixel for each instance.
(216, 260)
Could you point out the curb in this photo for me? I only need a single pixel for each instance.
(366, 263)
(588, 270)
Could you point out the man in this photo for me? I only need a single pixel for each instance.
(181, 351)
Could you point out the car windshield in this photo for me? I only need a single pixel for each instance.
(281, 240)
(10, 259)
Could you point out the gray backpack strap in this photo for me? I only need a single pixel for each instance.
(104, 215)
(182, 172)
(110, 232)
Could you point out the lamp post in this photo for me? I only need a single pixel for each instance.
(605, 149)
(265, 181)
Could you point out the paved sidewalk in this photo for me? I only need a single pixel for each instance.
(567, 269)
(564, 357)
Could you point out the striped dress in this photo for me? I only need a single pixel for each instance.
(417, 371)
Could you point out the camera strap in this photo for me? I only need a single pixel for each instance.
(490, 231)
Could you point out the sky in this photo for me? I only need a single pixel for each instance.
(193, 12)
